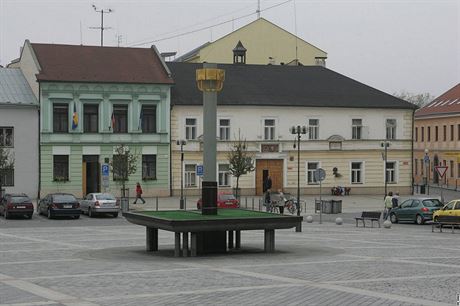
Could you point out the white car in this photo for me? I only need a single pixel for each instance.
(100, 203)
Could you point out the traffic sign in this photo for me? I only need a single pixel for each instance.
(199, 170)
(320, 174)
(441, 170)
(105, 170)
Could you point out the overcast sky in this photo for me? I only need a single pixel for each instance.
(392, 45)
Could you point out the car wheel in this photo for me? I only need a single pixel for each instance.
(90, 213)
(115, 215)
(419, 220)
(49, 214)
(30, 216)
(393, 218)
(77, 217)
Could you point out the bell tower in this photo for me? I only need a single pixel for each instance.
(239, 54)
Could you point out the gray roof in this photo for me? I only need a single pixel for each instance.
(14, 88)
(276, 85)
(191, 53)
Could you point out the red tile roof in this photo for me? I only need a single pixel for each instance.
(100, 64)
(448, 102)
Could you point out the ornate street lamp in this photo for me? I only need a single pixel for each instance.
(427, 173)
(299, 131)
(181, 143)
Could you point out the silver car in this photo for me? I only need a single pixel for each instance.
(100, 203)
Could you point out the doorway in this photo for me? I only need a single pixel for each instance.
(90, 174)
(266, 167)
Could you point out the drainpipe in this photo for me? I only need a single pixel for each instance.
(39, 141)
(412, 151)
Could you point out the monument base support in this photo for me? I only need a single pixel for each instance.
(211, 242)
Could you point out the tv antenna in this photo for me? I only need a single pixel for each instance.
(102, 11)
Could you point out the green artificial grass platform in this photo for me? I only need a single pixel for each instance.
(196, 214)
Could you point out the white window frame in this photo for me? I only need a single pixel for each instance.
(3, 137)
(190, 175)
(358, 135)
(362, 172)
(313, 130)
(188, 129)
(390, 130)
(225, 128)
(272, 133)
(395, 171)
(313, 182)
(226, 175)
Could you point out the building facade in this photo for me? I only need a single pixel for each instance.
(19, 132)
(266, 43)
(347, 124)
(437, 140)
(93, 99)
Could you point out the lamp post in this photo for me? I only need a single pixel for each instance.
(299, 131)
(385, 144)
(181, 143)
(426, 159)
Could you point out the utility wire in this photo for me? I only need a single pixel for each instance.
(208, 27)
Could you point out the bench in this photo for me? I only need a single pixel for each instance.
(446, 220)
(369, 215)
(340, 191)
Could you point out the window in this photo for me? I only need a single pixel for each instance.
(224, 129)
(190, 175)
(421, 166)
(148, 119)
(436, 133)
(311, 169)
(451, 132)
(120, 118)
(60, 167)
(356, 128)
(190, 128)
(6, 136)
(428, 136)
(313, 129)
(416, 134)
(390, 172)
(60, 118)
(224, 175)
(444, 129)
(423, 134)
(269, 129)
(149, 167)
(391, 129)
(416, 166)
(7, 177)
(356, 173)
(90, 118)
(451, 166)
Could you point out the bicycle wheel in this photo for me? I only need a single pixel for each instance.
(290, 207)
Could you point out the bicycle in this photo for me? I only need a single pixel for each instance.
(272, 207)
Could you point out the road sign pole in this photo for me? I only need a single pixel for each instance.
(320, 205)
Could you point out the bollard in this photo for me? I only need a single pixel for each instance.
(156, 202)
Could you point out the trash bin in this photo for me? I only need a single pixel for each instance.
(336, 206)
(327, 206)
(124, 204)
(422, 189)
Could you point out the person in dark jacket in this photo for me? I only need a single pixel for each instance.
(267, 188)
(139, 193)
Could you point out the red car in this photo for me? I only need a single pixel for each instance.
(16, 204)
(224, 200)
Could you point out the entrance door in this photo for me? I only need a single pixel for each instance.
(266, 167)
(90, 174)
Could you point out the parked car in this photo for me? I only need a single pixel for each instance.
(418, 210)
(450, 209)
(100, 203)
(224, 200)
(59, 204)
(16, 204)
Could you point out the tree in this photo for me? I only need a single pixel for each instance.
(6, 164)
(123, 164)
(240, 160)
(420, 100)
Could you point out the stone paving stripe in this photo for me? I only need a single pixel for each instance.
(31, 304)
(398, 278)
(37, 261)
(43, 240)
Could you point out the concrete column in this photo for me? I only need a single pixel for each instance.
(269, 241)
(209, 132)
(185, 251)
(238, 239)
(177, 251)
(230, 239)
(151, 239)
(194, 244)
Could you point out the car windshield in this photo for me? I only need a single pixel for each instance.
(61, 198)
(432, 203)
(104, 196)
(227, 197)
(20, 199)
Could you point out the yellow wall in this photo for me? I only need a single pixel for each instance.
(262, 39)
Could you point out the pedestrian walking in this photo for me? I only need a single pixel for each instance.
(395, 200)
(139, 194)
(388, 205)
(267, 188)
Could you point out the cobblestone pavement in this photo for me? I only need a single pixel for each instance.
(102, 261)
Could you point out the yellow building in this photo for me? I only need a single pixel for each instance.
(266, 43)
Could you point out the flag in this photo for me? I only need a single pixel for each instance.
(113, 120)
(74, 117)
(141, 115)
